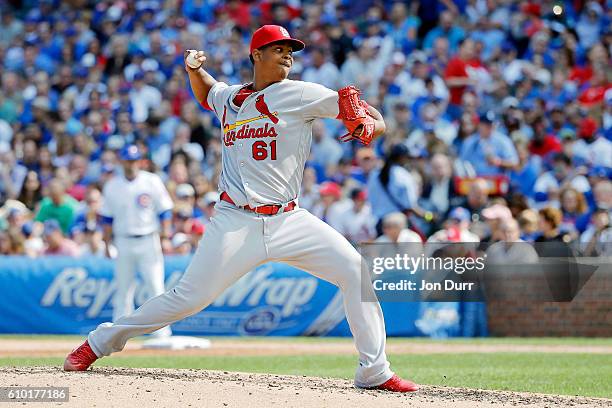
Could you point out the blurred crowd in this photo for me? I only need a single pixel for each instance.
(498, 112)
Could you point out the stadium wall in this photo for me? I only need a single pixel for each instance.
(57, 295)
(589, 314)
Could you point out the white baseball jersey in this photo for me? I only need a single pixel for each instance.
(135, 205)
(266, 141)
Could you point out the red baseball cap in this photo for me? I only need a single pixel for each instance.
(587, 127)
(330, 188)
(272, 33)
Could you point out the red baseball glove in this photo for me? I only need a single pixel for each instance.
(355, 116)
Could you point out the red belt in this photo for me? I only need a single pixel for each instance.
(270, 209)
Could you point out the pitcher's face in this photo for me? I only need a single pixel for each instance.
(275, 59)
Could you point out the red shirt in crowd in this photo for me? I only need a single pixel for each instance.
(550, 144)
(581, 74)
(458, 68)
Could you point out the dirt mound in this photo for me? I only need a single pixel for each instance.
(128, 387)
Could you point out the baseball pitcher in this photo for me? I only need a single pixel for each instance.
(266, 127)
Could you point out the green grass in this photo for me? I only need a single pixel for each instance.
(551, 373)
(534, 341)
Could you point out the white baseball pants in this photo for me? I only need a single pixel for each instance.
(237, 241)
(144, 256)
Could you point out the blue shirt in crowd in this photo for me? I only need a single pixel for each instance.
(401, 187)
(475, 150)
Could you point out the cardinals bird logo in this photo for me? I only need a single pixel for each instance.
(262, 108)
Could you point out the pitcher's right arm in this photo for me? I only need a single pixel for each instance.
(200, 80)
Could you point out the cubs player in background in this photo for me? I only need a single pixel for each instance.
(136, 213)
(267, 134)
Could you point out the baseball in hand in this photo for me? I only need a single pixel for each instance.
(195, 59)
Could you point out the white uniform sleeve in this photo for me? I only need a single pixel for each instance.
(107, 209)
(217, 96)
(319, 102)
(162, 199)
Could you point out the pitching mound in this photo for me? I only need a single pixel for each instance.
(128, 387)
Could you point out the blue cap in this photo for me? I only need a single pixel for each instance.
(27, 228)
(460, 214)
(428, 127)
(70, 32)
(108, 168)
(50, 226)
(139, 75)
(77, 229)
(150, 25)
(399, 150)
(125, 87)
(14, 211)
(600, 171)
(81, 72)
(487, 117)
(507, 46)
(130, 152)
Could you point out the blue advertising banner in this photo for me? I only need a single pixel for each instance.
(58, 295)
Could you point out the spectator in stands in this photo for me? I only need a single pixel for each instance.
(31, 192)
(573, 206)
(322, 71)
(549, 184)
(309, 193)
(181, 244)
(363, 69)
(12, 174)
(495, 216)
(550, 221)
(601, 199)
(511, 249)
(489, 152)
(597, 239)
(56, 242)
(392, 188)
(467, 127)
(327, 208)
(529, 223)
(87, 217)
(33, 245)
(207, 205)
(456, 229)
(457, 76)
(395, 230)
(422, 84)
(57, 206)
(355, 222)
(186, 200)
(16, 218)
(439, 189)
(446, 28)
(433, 135)
(477, 198)
(325, 150)
(593, 149)
(6, 246)
(93, 243)
(542, 143)
(71, 95)
(591, 24)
